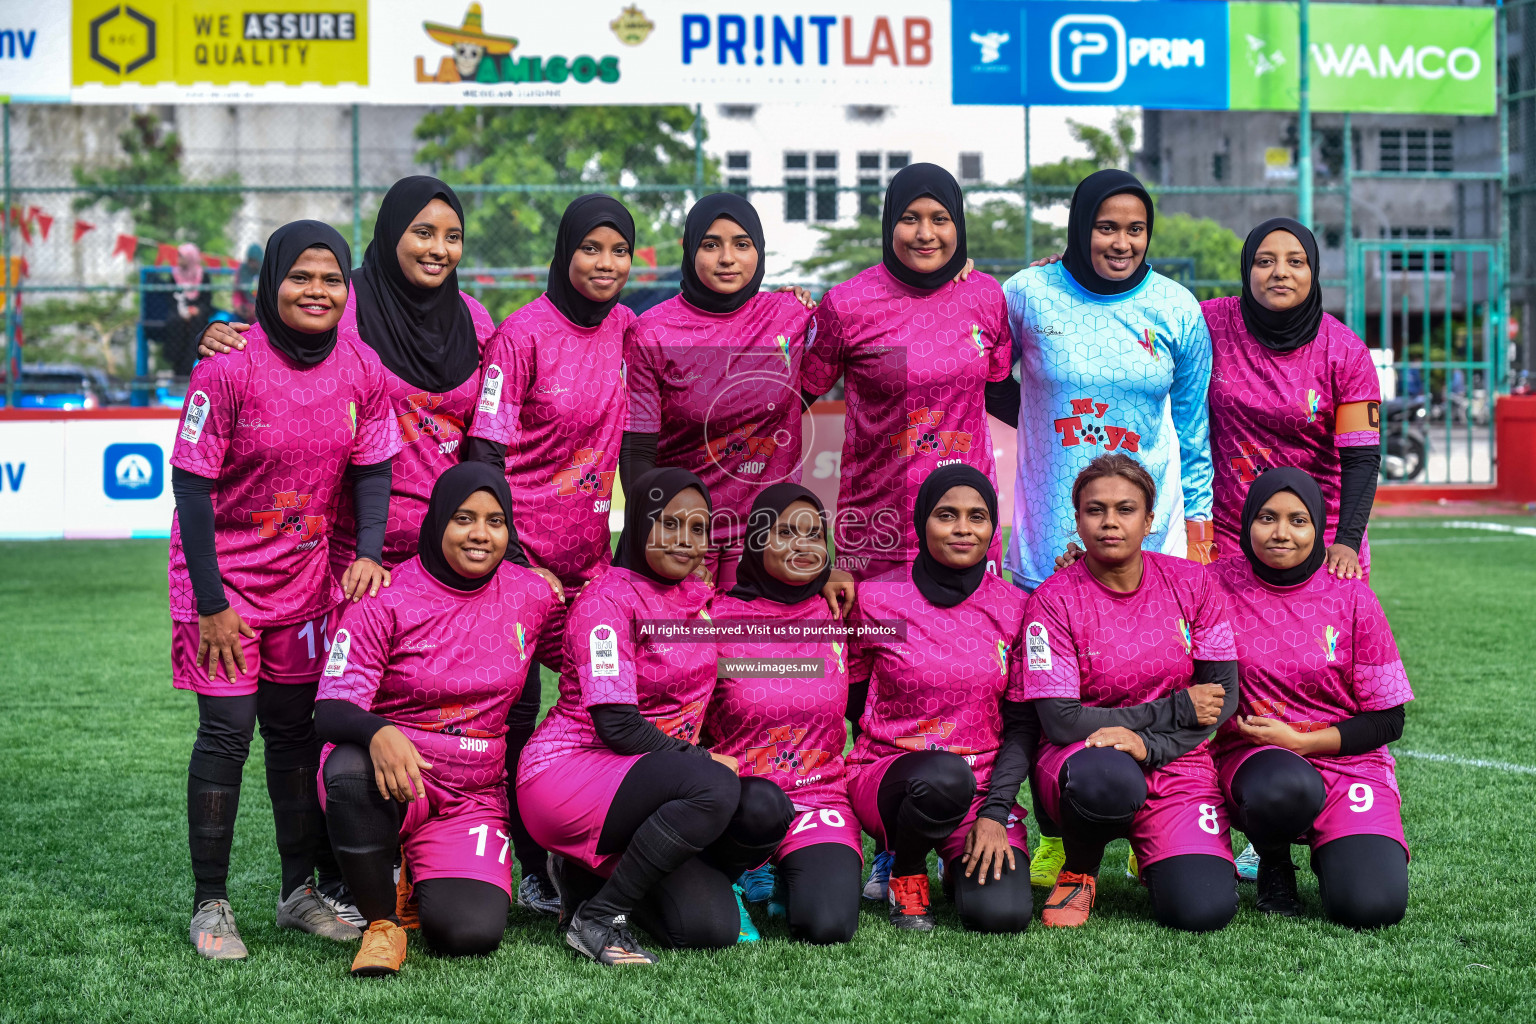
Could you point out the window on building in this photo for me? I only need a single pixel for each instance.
(826, 186)
(1414, 259)
(1330, 151)
(738, 161)
(796, 199)
(1416, 150)
(869, 184)
(739, 182)
(1333, 236)
(896, 161)
(970, 167)
(1219, 166)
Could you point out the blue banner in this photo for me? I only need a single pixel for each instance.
(1166, 54)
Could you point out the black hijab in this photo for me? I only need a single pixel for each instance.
(283, 250)
(753, 579)
(642, 508)
(704, 213)
(1269, 483)
(1078, 258)
(913, 182)
(584, 215)
(1282, 330)
(425, 336)
(940, 584)
(451, 491)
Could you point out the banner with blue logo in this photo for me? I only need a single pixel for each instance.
(1168, 54)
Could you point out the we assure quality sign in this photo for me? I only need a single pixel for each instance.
(1373, 58)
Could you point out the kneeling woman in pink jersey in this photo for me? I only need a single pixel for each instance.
(1131, 666)
(269, 436)
(415, 698)
(640, 819)
(1323, 693)
(788, 728)
(944, 738)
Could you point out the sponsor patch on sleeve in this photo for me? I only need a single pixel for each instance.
(336, 664)
(603, 645)
(1037, 646)
(490, 391)
(196, 416)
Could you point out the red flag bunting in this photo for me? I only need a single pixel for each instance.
(44, 222)
(19, 219)
(81, 227)
(212, 262)
(165, 255)
(126, 246)
(647, 255)
(484, 279)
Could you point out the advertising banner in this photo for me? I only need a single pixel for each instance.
(1166, 55)
(1384, 59)
(660, 51)
(34, 53)
(187, 51)
(31, 480)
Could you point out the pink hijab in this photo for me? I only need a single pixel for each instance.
(188, 271)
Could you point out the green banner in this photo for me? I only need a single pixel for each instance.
(1367, 58)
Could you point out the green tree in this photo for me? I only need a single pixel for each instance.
(153, 157)
(96, 330)
(1112, 147)
(581, 149)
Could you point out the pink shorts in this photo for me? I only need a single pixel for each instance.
(1362, 797)
(564, 806)
(1184, 813)
(454, 832)
(280, 654)
(824, 819)
(864, 794)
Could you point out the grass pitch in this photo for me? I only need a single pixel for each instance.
(95, 886)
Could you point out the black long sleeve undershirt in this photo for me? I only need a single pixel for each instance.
(624, 730)
(370, 502)
(341, 721)
(194, 518)
(1359, 469)
(480, 449)
(1169, 745)
(637, 456)
(1021, 740)
(858, 697)
(1003, 400)
(1065, 721)
(1369, 730)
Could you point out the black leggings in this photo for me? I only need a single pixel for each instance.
(1101, 791)
(924, 796)
(292, 754)
(821, 883)
(688, 827)
(459, 916)
(1363, 879)
(521, 719)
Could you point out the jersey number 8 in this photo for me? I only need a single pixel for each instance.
(1208, 820)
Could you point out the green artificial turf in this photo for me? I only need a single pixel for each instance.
(95, 887)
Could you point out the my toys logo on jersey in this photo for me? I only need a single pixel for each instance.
(287, 519)
(931, 734)
(922, 436)
(685, 724)
(753, 451)
(420, 421)
(1247, 464)
(1275, 709)
(582, 478)
(782, 753)
(489, 58)
(1087, 425)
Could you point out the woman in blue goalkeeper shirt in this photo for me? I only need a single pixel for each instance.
(1114, 358)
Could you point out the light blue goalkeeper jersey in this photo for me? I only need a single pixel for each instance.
(1105, 373)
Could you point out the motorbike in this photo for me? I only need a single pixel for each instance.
(1405, 445)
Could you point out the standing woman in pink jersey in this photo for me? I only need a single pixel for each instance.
(1323, 690)
(789, 729)
(714, 374)
(415, 698)
(269, 438)
(641, 820)
(922, 353)
(551, 412)
(1292, 386)
(944, 741)
(1130, 667)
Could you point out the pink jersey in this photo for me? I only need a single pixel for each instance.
(431, 427)
(669, 682)
(1277, 409)
(723, 392)
(276, 439)
(443, 665)
(554, 394)
(915, 368)
(1086, 642)
(1311, 655)
(941, 687)
(787, 729)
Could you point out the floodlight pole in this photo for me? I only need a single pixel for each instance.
(1304, 136)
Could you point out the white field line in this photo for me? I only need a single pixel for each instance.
(1466, 762)
(1442, 540)
(1453, 524)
